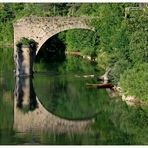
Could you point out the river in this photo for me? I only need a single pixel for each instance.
(55, 107)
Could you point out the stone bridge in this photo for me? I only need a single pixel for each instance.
(40, 29)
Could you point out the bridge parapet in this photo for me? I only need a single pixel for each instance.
(35, 19)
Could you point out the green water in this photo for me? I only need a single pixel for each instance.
(62, 91)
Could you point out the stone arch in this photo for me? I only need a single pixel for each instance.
(58, 30)
(41, 29)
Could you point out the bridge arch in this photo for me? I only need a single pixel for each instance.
(50, 34)
(41, 29)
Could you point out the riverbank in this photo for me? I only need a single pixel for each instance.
(78, 54)
(117, 91)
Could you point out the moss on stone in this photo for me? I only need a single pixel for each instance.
(26, 42)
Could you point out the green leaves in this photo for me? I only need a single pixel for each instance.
(135, 81)
(139, 47)
(82, 40)
(26, 41)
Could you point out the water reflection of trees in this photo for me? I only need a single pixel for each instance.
(64, 92)
(30, 116)
(6, 101)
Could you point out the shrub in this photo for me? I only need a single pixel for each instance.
(26, 42)
(135, 81)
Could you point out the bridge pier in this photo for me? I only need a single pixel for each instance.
(24, 57)
(30, 29)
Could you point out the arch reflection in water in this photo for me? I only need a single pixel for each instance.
(31, 116)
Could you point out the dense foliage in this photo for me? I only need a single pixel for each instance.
(118, 41)
(135, 81)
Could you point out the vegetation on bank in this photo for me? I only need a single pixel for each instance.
(118, 42)
(135, 81)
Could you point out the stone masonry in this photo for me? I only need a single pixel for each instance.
(41, 29)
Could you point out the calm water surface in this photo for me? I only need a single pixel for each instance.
(56, 107)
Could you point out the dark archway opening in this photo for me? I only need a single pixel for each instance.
(53, 50)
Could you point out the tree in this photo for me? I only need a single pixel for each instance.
(139, 47)
(135, 81)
